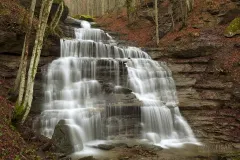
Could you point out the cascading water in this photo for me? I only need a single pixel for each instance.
(74, 92)
(162, 122)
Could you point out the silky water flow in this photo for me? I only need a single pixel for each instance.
(74, 94)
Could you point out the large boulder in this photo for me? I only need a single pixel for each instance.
(62, 138)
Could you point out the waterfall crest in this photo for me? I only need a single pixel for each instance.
(74, 93)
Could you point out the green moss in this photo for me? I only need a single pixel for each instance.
(95, 25)
(19, 111)
(233, 28)
(57, 1)
(84, 17)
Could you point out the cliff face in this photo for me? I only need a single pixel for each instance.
(203, 61)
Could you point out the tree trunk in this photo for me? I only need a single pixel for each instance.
(20, 80)
(156, 21)
(43, 18)
(103, 7)
(57, 17)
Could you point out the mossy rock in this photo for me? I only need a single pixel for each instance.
(84, 17)
(233, 28)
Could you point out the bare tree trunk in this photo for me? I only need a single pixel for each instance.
(103, 7)
(57, 17)
(20, 80)
(156, 21)
(45, 10)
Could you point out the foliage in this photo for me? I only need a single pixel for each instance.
(84, 17)
(233, 28)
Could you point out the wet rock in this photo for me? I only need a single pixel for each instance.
(151, 147)
(65, 158)
(123, 157)
(120, 144)
(123, 90)
(72, 22)
(131, 145)
(62, 138)
(87, 158)
(105, 146)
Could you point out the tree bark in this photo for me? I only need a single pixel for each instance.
(20, 80)
(57, 17)
(44, 14)
(156, 21)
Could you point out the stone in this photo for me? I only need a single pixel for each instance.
(183, 81)
(233, 28)
(214, 95)
(192, 50)
(62, 138)
(197, 60)
(123, 157)
(187, 68)
(214, 84)
(192, 104)
(236, 92)
(11, 43)
(87, 158)
(236, 145)
(120, 144)
(106, 146)
(230, 15)
(65, 158)
(151, 147)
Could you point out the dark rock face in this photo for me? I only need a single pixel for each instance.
(62, 138)
(11, 42)
(54, 10)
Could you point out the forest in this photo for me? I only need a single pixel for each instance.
(120, 79)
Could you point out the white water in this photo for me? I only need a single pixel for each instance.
(162, 122)
(74, 94)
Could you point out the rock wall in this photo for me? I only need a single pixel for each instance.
(208, 96)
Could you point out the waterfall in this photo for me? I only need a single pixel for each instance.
(74, 92)
(162, 122)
